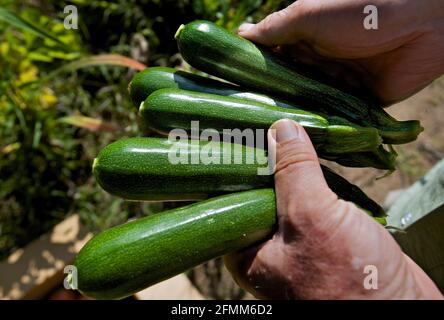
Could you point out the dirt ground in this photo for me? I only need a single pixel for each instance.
(414, 159)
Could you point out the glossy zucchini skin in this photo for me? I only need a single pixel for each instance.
(152, 79)
(217, 51)
(379, 158)
(350, 192)
(168, 109)
(128, 258)
(155, 78)
(140, 169)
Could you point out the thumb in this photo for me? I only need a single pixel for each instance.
(299, 182)
(286, 26)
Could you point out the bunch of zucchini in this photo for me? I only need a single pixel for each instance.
(237, 205)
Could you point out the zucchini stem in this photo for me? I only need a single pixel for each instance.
(176, 35)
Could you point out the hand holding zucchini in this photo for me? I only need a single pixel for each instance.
(241, 210)
(127, 258)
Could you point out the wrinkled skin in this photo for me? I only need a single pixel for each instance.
(323, 244)
(403, 56)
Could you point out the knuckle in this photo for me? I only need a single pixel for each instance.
(295, 160)
(281, 14)
(292, 155)
(340, 216)
(266, 24)
(269, 21)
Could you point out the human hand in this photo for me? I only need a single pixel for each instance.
(322, 244)
(403, 56)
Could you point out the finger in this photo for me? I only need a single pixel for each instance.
(298, 175)
(286, 26)
(326, 26)
(240, 264)
(240, 261)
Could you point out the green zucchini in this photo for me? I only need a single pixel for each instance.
(142, 169)
(128, 258)
(149, 169)
(155, 78)
(350, 192)
(221, 53)
(379, 158)
(168, 109)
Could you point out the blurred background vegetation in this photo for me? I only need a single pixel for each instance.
(63, 97)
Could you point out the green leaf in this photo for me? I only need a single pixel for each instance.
(37, 56)
(18, 22)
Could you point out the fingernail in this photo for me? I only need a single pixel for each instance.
(285, 130)
(244, 27)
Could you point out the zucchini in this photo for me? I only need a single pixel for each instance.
(378, 159)
(141, 169)
(168, 109)
(155, 78)
(128, 258)
(217, 51)
(350, 192)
